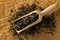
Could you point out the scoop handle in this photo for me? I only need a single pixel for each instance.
(49, 10)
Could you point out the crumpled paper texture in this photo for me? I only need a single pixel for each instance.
(7, 5)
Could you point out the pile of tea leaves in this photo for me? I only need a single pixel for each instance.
(48, 22)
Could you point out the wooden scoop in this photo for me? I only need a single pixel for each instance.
(48, 11)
